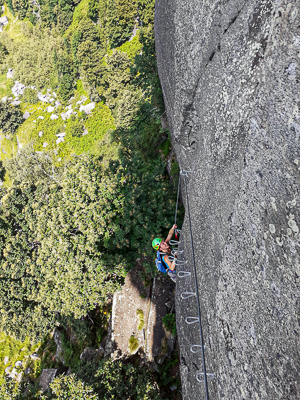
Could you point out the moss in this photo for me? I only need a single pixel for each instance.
(165, 147)
(141, 321)
(133, 344)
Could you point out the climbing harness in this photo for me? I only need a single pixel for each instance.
(202, 377)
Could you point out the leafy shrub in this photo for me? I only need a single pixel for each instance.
(169, 321)
(133, 344)
(10, 117)
(30, 96)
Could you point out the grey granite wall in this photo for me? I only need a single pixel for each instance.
(230, 72)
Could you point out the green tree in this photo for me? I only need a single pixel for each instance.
(10, 117)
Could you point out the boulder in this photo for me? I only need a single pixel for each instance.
(7, 369)
(57, 337)
(85, 132)
(54, 116)
(35, 356)
(45, 144)
(18, 89)
(26, 115)
(50, 109)
(60, 140)
(61, 135)
(63, 116)
(48, 375)
(4, 20)
(41, 117)
(41, 133)
(3, 100)
(13, 373)
(28, 371)
(87, 108)
(88, 353)
(18, 364)
(5, 360)
(46, 378)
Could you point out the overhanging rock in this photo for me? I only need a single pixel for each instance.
(231, 81)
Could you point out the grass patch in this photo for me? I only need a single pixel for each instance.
(141, 321)
(133, 344)
(15, 350)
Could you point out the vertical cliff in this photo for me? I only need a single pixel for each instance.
(230, 74)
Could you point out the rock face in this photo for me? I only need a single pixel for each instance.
(231, 81)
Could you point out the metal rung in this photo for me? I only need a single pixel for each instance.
(176, 251)
(209, 376)
(177, 262)
(191, 320)
(182, 172)
(186, 295)
(174, 242)
(183, 274)
(198, 346)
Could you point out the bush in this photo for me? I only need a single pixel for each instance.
(10, 117)
(169, 321)
(30, 96)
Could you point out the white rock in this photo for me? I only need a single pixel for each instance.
(26, 115)
(69, 113)
(16, 102)
(34, 356)
(87, 108)
(54, 94)
(64, 116)
(59, 140)
(62, 134)
(50, 109)
(3, 151)
(7, 369)
(18, 364)
(69, 107)
(42, 97)
(57, 103)
(13, 373)
(41, 133)
(51, 100)
(72, 98)
(85, 132)
(45, 144)
(6, 360)
(54, 116)
(18, 89)
(4, 99)
(10, 73)
(41, 117)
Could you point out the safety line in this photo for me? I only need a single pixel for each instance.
(192, 320)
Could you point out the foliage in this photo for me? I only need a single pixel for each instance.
(141, 321)
(10, 117)
(133, 344)
(169, 321)
(71, 388)
(30, 96)
(14, 349)
(32, 59)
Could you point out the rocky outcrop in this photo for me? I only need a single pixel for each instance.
(231, 77)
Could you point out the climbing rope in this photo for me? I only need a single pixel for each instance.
(204, 376)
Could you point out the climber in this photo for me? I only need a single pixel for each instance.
(164, 252)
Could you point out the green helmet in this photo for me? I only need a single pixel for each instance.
(155, 243)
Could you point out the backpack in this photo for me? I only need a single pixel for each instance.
(161, 266)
